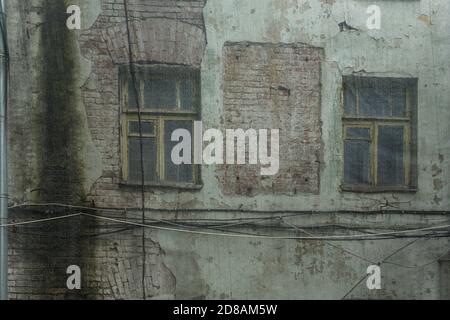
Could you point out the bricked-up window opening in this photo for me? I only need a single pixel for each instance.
(169, 97)
(379, 134)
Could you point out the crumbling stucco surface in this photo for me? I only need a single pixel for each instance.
(404, 46)
(413, 42)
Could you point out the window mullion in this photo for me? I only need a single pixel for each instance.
(194, 167)
(357, 101)
(391, 103)
(375, 154)
(177, 91)
(408, 103)
(161, 150)
(125, 147)
(407, 153)
(141, 93)
(125, 87)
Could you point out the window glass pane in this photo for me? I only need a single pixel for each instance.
(358, 133)
(160, 94)
(148, 128)
(374, 102)
(398, 101)
(173, 172)
(357, 162)
(132, 96)
(349, 101)
(186, 94)
(390, 156)
(134, 159)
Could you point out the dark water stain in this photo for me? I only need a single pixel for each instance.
(59, 121)
(40, 255)
(58, 126)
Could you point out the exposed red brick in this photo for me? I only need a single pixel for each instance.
(275, 86)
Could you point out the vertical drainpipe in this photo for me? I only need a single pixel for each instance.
(3, 156)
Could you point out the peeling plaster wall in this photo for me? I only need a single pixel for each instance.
(412, 43)
(405, 46)
(221, 268)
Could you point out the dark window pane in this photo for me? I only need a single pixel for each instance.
(186, 95)
(173, 172)
(398, 101)
(148, 128)
(390, 156)
(160, 94)
(349, 101)
(133, 93)
(134, 159)
(358, 133)
(374, 102)
(357, 162)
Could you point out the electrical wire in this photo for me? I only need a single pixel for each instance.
(425, 264)
(25, 223)
(15, 224)
(384, 260)
(230, 234)
(330, 244)
(331, 237)
(231, 210)
(141, 146)
(254, 222)
(310, 237)
(208, 223)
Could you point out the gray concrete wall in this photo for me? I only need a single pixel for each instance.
(65, 146)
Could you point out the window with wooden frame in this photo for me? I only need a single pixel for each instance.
(169, 99)
(379, 130)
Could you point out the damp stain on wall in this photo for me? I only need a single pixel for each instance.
(58, 119)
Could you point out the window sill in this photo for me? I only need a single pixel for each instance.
(163, 185)
(370, 189)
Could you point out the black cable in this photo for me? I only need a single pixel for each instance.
(141, 147)
(355, 286)
(234, 210)
(329, 243)
(120, 229)
(208, 223)
(384, 260)
(193, 226)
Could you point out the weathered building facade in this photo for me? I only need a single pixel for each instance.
(343, 96)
